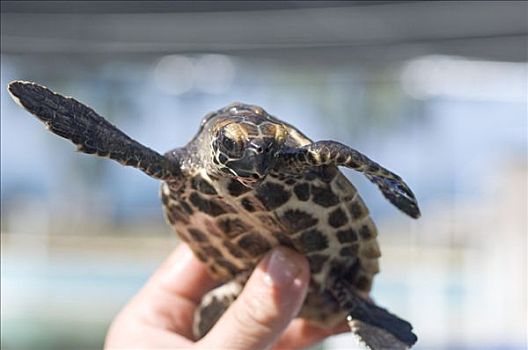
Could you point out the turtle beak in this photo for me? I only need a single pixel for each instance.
(262, 161)
(261, 164)
(252, 167)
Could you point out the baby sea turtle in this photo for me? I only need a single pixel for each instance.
(245, 183)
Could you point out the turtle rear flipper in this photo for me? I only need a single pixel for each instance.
(215, 303)
(374, 338)
(91, 133)
(379, 326)
(376, 325)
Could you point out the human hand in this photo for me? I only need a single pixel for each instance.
(262, 317)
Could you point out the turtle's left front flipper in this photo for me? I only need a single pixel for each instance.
(334, 153)
(91, 133)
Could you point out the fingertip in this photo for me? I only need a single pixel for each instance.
(180, 255)
(183, 274)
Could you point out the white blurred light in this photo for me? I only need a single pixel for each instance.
(459, 78)
(177, 74)
(174, 74)
(214, 73)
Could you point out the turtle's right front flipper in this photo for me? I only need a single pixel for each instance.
(91, 133)
(336, 154)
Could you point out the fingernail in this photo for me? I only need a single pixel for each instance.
(174, 268)
(281, 269)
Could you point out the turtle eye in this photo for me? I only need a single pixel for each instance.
(231, 147)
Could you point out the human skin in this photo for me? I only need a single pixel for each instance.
(262, 317)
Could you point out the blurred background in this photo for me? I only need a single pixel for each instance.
(436, 91)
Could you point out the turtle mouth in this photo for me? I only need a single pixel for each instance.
(251, 182)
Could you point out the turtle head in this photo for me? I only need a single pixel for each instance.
(247, 147)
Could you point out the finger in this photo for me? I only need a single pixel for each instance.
(136, 336)
(271, 298)
(170, 296)
(301, 334)
(183, 274)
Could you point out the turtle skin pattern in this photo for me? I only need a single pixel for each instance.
(248, 182)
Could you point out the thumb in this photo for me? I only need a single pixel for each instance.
(271, 298)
